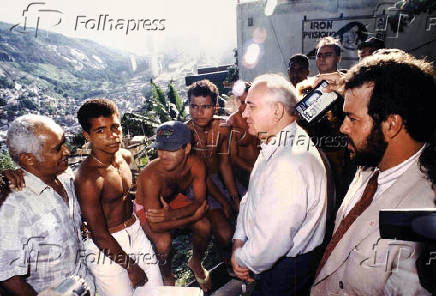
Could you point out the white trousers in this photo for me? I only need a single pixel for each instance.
(110, 277)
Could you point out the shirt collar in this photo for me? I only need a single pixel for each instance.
(399, 169)
(33, 183)
(281, 139)
(393, 172)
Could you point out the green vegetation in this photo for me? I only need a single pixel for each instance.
(160, 107)
(6, 161)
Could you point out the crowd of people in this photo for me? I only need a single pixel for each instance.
(294, 207)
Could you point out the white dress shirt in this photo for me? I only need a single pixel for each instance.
(284, 210)
(384, 181)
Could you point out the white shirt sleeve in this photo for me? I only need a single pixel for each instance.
(239, 231)
(277, 217)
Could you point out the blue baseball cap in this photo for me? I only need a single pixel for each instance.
(172, 135)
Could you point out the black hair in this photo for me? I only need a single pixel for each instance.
(203, 88)
(403, 85)
(299, 58)
(95, 108)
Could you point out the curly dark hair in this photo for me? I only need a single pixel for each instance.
(203, 88)
(95, 108)
(403, 85)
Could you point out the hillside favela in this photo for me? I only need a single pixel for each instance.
(210, 147)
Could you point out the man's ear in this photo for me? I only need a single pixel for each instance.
(339, 59)
(86, 135)
(392, 126)
(27, 159)
(278, 109)
(188, 148)
(215, 110)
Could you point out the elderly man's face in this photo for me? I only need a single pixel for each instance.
(259, 111)
(54, 152)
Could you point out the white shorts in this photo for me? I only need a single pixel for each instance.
(110, 277)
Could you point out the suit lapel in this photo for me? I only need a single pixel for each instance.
(368, 221)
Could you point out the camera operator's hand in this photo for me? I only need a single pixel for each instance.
(137, 276)
(335, 82)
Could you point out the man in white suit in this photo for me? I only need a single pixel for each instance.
(389, 118)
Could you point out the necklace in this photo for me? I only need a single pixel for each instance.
(204, 148)
(104, 164)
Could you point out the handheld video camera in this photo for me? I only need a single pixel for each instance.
(316, 103)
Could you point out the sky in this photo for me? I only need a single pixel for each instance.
(196, 25)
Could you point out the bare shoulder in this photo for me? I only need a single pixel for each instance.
(235, 120)
(86, 171)
(232, 118)
(149, 174)
(127, 155)
(88, 178)
(220, 125)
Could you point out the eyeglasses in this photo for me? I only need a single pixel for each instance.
(202, 107)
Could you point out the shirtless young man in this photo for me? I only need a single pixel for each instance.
(102, 185)
(211, 142)
(244, 148)
(172, 194)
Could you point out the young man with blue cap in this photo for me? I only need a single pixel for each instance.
(171, 194)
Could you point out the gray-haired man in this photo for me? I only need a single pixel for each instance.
(282, 218)
(39, 237)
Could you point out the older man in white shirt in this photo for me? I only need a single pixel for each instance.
(40, 243)
(282, 217)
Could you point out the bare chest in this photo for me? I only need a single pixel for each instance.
(117, 182)
(174, 186)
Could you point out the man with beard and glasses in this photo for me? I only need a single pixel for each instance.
(389, 119)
